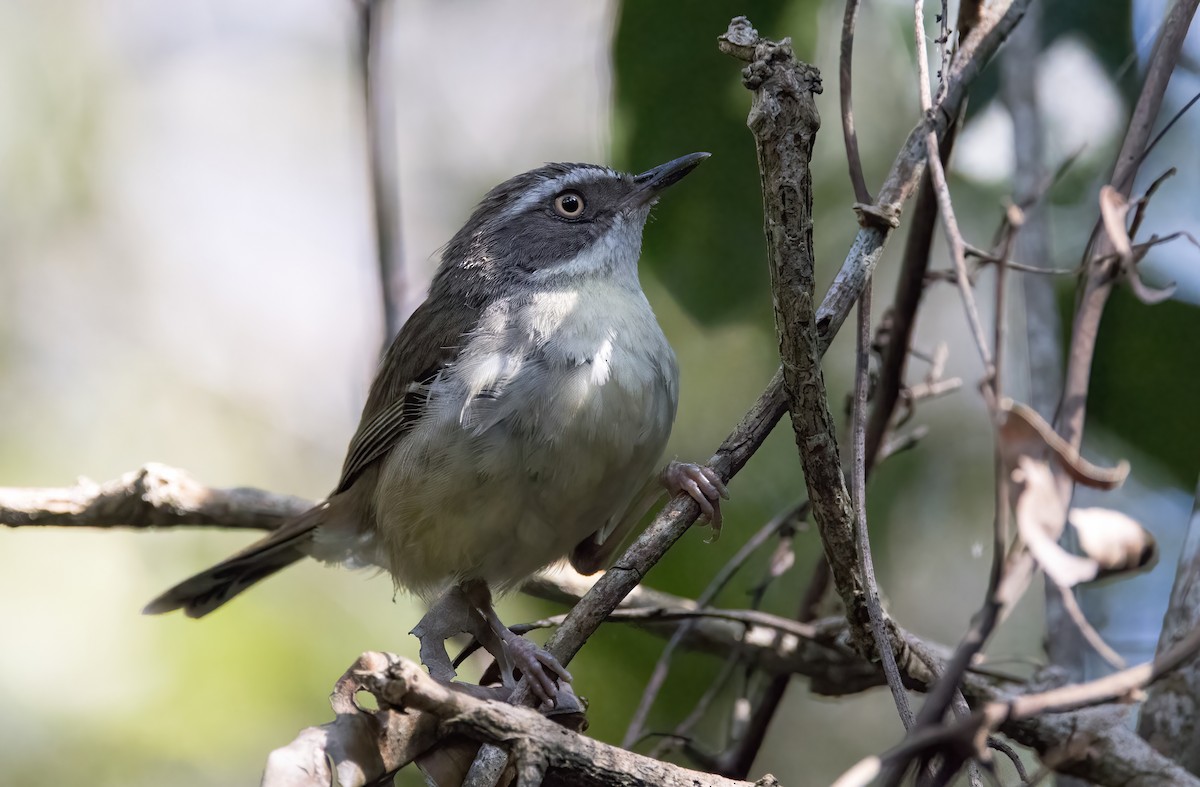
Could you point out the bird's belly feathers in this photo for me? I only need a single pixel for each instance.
(506, 473)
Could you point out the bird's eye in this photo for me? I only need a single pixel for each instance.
(569, 204)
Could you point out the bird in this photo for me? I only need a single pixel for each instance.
(518, 418)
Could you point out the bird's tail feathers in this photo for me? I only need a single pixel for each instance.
(201, 594)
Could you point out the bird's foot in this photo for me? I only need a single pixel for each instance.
(702, 484)
(537, 665)
(513, 653)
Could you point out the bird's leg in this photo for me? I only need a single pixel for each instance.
(514, 652)
(450, 615)
(702, 484)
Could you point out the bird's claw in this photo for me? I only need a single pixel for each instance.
(539, 667)
(702, 484)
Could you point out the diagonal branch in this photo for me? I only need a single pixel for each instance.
(1099, 278)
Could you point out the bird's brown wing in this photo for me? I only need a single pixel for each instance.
(427, 343)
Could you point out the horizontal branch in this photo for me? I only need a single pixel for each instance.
(160, 496)
(154, 495)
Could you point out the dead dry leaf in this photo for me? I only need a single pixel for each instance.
(1113, 211)
(1039, 515)
(1029, 449)
(1116, 542)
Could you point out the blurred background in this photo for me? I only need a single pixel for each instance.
(188, 276)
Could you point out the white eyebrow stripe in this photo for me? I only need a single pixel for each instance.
(575, 177)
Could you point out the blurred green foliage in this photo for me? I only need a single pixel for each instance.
(675, 93)
(1145, 379)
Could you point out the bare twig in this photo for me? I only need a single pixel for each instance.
(1085, 629)
(845, 87)
(659, 675)
(1169, 125)
(681, 733)
(646, 615)
(374, 20)
(858, 485)
(1144, 201)
(953, 237)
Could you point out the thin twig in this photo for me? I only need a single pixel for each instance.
(659, 676)
(374, 20)
(945, 51)
(1167, 127)
(953, 236)
(1086, 630)
(736, 657)
(1008, 751)
(1144, 201)
(683, 729)
(845, 86)
(858, 487)
(943, 692)
(648, 615)
(901, 318)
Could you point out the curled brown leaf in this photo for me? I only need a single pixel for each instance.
(1114, 209)
(1023, 432)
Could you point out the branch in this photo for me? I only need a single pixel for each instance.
(783, 118)
(845, 83)
(374, 20)
(1099, 278)
(1116, 753)
(1168, 719)
(862, 535)
(152, 496)
(416, 710)
(659, 675)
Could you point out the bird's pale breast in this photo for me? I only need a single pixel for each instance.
(550, 421)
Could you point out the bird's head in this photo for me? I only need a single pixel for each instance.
(562, 220)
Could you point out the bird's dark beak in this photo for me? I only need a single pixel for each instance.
(651, 183)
